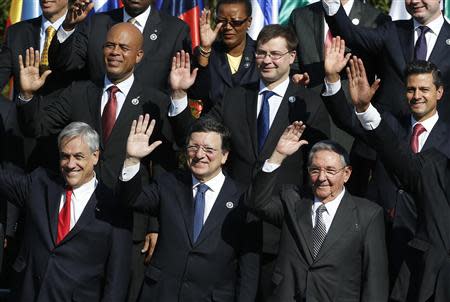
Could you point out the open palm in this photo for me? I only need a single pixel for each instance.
(139, 137)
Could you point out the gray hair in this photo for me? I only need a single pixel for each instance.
(328, 145)
(82, 130)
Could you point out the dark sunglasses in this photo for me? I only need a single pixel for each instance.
(233, 23)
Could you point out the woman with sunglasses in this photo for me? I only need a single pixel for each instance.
(226, 55)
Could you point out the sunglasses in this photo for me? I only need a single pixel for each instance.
(233, 23)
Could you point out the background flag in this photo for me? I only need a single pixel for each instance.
(187, 10)
(264, 12)
(287, 6)
(106, 5)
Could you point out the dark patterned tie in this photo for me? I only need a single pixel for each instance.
(420, 49)
(199, 210)
(109, 113)
(319, 231)
(263, 119)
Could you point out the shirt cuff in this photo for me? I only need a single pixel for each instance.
(177, 106)
(63, 35)
(269, 167)
(369, 119)
(129, 172)
(331, 88)
(331, 6)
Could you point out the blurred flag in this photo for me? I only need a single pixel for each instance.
(23, 10)
(106, 5)
(398, 10)
(287, 6)
(187, 10)
(264, 12)
(446, 10)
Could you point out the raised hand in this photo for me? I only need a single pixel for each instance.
(207, 34)
(301, 78)
(181, 78)
(289, 142)
(30, 80)
(77, 13)
(138, 140)
(360, 91)
(335, 59)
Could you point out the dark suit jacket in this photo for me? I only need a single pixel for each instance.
(237, 111)
(19, 37)
(82, 102)
(90, 264)
(352, 262)
(308, 23)
(426, 176)
(84, 48)
(214, 79)
(222, 265)
(385, 188)
(391, 46)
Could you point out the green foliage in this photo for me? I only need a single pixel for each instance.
(383, 5)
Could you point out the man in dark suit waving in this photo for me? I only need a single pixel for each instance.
(79, 40)
(77, 238)
(206, 249)
(332, 244)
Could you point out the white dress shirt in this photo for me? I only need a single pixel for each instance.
(44, 25)
(274, 101)
(121, 95)
(431, 35)
(80, 198)
(329, 214)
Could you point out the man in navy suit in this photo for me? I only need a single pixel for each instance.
(77, 239)
(206, 249)
(392, 46)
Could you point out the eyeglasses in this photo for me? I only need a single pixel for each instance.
(329, 172)
(194, 149)
(276, 55)
(233, 23)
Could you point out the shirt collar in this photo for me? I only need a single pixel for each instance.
(123, 86)
(428, 124)
(86, 188)
(435, 25)
(46, 23)
(141, 19)
(280, 90)
(331, 206)
(214, 184)
(348, 6)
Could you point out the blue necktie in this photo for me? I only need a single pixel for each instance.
(199, 209)
(420, 50)
(263, 119)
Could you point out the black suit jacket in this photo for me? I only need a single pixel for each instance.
(426, 176)
(222, 265)
(214, 79)
(352, 262)
(391, 46)
(237, 111)
(19, 37)
(82, 102)
(385, 188)
(90, 264)
(308, 24)
(84, 48)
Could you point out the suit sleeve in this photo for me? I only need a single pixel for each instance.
(6, 62)
(361, 39)
(261, 202)
(375, 273)
(15, 185)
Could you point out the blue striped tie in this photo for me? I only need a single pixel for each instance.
(263, 119)
(199, 210)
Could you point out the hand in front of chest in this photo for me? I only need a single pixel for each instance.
(30, 79)
(138, 143)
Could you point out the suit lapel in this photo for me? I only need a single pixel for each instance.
(54, 193)
(437, 135)
(219, 210)
(95, 103)
(441, 48)
(318, 20)
(303, 212)
(342, 221)
(185, 201)
(152, 29)
(356, 11)
(251, 102)
(221, 65)
(406, 35)
(36, 28)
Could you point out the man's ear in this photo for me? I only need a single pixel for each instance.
(139, 55)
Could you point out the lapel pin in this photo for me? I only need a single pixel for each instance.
(135, 101)
(97, 209)
(292, 99)
(355, 21)
(153, 37)
(246, 62)
(447, 41)
(229, 205)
